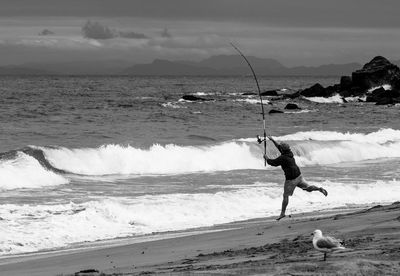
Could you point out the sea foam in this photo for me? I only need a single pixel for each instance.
(27, 228)
(24, 171)
(310, 148)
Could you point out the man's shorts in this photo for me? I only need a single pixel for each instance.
(290, 185)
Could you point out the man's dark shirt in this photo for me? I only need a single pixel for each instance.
(288, 164)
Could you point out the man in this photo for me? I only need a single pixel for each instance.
(292, 174)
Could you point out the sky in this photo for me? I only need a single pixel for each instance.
(294, 32)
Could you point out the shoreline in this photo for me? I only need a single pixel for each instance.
(124, 241)
(243, 248)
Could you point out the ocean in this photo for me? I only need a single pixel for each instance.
(100, 158)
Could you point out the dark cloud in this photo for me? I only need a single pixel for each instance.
(46, 32)
(97, 31)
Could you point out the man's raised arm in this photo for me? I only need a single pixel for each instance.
(275, 143)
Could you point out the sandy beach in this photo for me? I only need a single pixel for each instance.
(256, 247)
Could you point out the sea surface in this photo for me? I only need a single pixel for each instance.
(86, 159)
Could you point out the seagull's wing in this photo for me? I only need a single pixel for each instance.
(325, 243)
(334, 241)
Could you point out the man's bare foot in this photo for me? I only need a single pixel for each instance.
(280, 217)
(322, 190)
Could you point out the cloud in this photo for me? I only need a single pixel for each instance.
(46, 32)
(204, 41)
(97, 31)
(132, 35)
(191, 40)
(306, 13)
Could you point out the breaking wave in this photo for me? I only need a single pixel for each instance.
(44, 166)
(24, 171)
(335, 99)
(310, 148)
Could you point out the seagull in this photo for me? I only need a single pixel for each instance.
(326, 244)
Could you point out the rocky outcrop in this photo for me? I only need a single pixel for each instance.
(382, 97)
(345, 83)
(377, 94)
(317, 90)
(378, 72)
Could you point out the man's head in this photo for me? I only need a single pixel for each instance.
(284, 147)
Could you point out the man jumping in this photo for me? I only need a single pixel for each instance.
(292, 174)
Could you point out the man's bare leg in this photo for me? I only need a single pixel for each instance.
(315, 188)
(285, 203)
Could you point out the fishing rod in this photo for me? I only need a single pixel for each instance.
(259, 140)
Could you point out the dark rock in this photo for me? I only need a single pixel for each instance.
(317, 90)
(394, 93)
(357, 91)
(248, 94)
(345, 93)
(379, 92)
(333, 89)
(87, 272)
(292, 96)
(382, 96)
(396, 84)
(272, 111)
(125, 105)
(269, 93)
(377, 72)
(376, 95)
(345, 83)
(371, 99)
(384, 101)
(292, 106)
(194, 98)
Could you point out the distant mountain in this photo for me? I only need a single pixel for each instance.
(168, 68)
(103, 67)
(220, 65)
(223, 62)
(324, 70)
(224, 65)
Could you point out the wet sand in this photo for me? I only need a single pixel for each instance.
(256, 247)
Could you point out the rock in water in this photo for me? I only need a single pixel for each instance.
(377, 72)
(292, 106)
(193, 98)
(272, 111)
(269, 93)
(376, 94)
(345, 83)
(317, 90)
